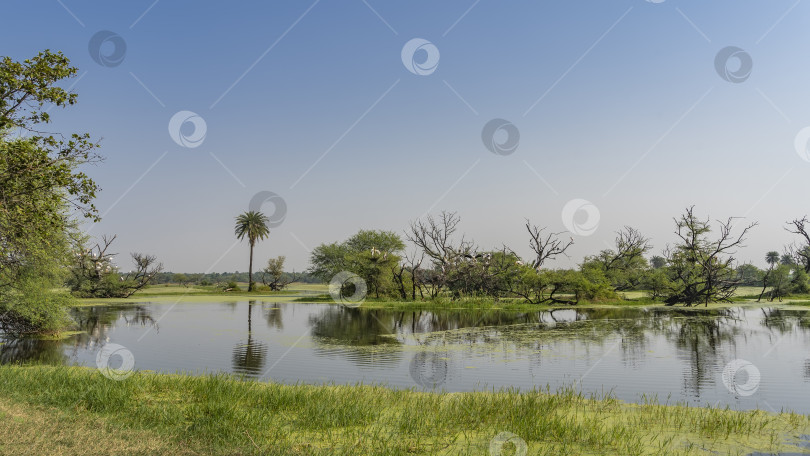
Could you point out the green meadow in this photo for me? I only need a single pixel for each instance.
(71, 410)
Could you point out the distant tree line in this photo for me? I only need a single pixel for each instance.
(217, 278)
(699, 268)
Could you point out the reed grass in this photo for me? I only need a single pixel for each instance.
(221, 414)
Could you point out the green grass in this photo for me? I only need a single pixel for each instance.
(178, 414)
(178, 293)
(317, 293)
(516, 305)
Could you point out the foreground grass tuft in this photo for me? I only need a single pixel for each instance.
(177, 414)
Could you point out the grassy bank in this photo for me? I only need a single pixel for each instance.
(318, 293)
(176, 293)
(62, 410)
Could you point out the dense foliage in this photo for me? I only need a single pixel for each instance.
(699, 268)
(219, 278)
(42, 190)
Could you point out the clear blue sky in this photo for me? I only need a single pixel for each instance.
(632, 116)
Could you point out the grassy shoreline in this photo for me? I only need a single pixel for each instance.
(313, 297)
(179, 414)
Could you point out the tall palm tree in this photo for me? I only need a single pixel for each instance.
(252, 224)
(772, 258)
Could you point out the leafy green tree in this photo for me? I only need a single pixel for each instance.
(750, 275)
(656, 282)
(273, 274)
(780, 282)
(371, 254)
(624, 266)
(475, 274)
(253, 225)
(181, 278)
(800, 282)
(41, 188)
(326, 260)
(563, 286)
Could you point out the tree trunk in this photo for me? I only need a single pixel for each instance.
(250, 269)
(765, 283)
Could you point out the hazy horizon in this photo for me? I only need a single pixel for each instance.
(641, 108)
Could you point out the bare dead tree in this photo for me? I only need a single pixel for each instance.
(398, 271)
(630, 245)
(433, 236)
(146, 268)
(94, 261)
(703, 268)
(801, 252)
(92, 264)
(545, 246)
(414, 262)
(625, 265)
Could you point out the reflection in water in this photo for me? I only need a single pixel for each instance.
(664, 351)
(698, 340)
(272, 313)
(249, 357)
(94, 322)
(23, 351)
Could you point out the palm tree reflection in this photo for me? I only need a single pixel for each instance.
(249, 357)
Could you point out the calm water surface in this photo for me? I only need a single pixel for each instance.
(674, 354)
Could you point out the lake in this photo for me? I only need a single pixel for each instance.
(742, 357)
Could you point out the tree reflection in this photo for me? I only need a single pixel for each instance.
(700, 336)
(94, 324)
(249, 357)
(272, 313)
(29, 350)
(785, 321)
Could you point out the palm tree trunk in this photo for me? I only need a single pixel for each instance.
(250, 269)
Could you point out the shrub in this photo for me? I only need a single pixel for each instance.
(33, 307)
(800, 283)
